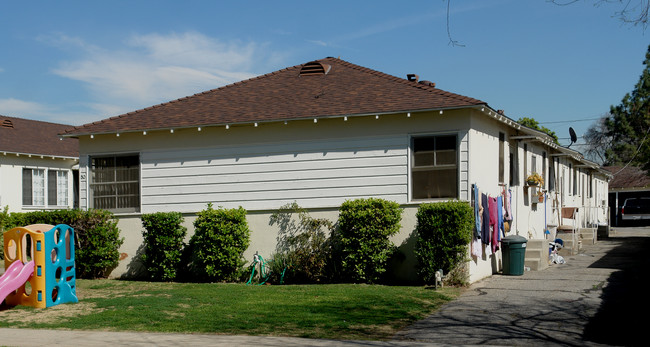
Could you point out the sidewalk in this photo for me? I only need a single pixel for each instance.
(589, 301)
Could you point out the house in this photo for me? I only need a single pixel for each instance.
(38, 168)
(628, 182)
(320, 133)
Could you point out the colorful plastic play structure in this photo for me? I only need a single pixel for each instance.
(39, 263)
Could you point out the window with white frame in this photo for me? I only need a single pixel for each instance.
(37, 190)
(33, 187)
(434, 167)
(115, 183)
(57, 188)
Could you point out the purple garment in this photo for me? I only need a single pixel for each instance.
(494, 224)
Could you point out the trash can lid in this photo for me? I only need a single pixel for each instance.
(513, 239)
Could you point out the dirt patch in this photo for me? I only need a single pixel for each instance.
(58, 313)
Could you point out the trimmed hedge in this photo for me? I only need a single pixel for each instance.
(163, 242)
(362, 242)
(444, 230)
(97, 237)
(216, 249)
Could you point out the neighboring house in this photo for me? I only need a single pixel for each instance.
(319, 134)
(628, 182)
(38, 168)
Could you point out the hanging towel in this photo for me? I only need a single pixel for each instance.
(508, 202)
(501, 230)
(485, 230)
(477, 213)
(494, 224)
(477, 249)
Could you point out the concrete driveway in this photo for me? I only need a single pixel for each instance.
(599, 297)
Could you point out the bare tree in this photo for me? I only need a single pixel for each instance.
(633, 12)
(597, 140)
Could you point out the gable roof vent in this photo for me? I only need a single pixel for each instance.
(315, 68)
(7, 123)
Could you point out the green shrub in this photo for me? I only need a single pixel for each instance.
(303, 246)
(97, 238)
(4, 219)
(444, 231)
(163, 244)
(220, 238)
(362, 242)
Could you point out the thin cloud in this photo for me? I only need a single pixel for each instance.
(154, 68)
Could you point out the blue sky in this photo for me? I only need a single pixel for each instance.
(76, 62)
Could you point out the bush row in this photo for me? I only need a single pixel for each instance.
(97, 238)
(357, 248)
(214, 253)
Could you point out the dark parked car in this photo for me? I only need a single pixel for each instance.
(636, 209)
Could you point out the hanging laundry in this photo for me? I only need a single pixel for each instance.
(494, 224)
(477, 249)
(500, 218)
(485, 230)
(477, 212)
(507, 198)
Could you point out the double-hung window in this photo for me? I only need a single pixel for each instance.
(37, 189)
(115, 183)
(434, 167)
(33, 187)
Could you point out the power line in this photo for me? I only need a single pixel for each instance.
(570, 121)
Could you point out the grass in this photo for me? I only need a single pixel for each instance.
(338, 311)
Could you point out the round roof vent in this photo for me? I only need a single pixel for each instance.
(315, 68)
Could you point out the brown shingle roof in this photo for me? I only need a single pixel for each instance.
(631, 177)
(345, 89)
(18, 135)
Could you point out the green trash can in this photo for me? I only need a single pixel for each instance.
(513, 250)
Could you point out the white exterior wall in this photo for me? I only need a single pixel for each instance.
(11, 178)
(318, 165)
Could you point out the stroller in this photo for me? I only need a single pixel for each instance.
(554, 248)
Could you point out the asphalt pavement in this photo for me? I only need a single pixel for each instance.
(595, 299)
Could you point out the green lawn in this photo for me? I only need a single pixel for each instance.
(339, 311)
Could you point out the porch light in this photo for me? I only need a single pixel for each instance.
(408, 115)
(144, 132)
(199, 128)
(228, 126)
(92, 136)
(117, 134)
(440, 111)
(256, 124)
(171, 131)
(376, 116)
(315, 120)
(345, 118)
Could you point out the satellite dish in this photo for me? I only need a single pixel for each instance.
(574, 138)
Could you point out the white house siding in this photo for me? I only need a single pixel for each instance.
(317, 173)
(319, 165)
(11, 179)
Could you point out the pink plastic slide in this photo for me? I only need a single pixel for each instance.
(15, 276)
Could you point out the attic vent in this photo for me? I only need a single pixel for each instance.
(7, 123)
(427, 83)
(314, 68)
